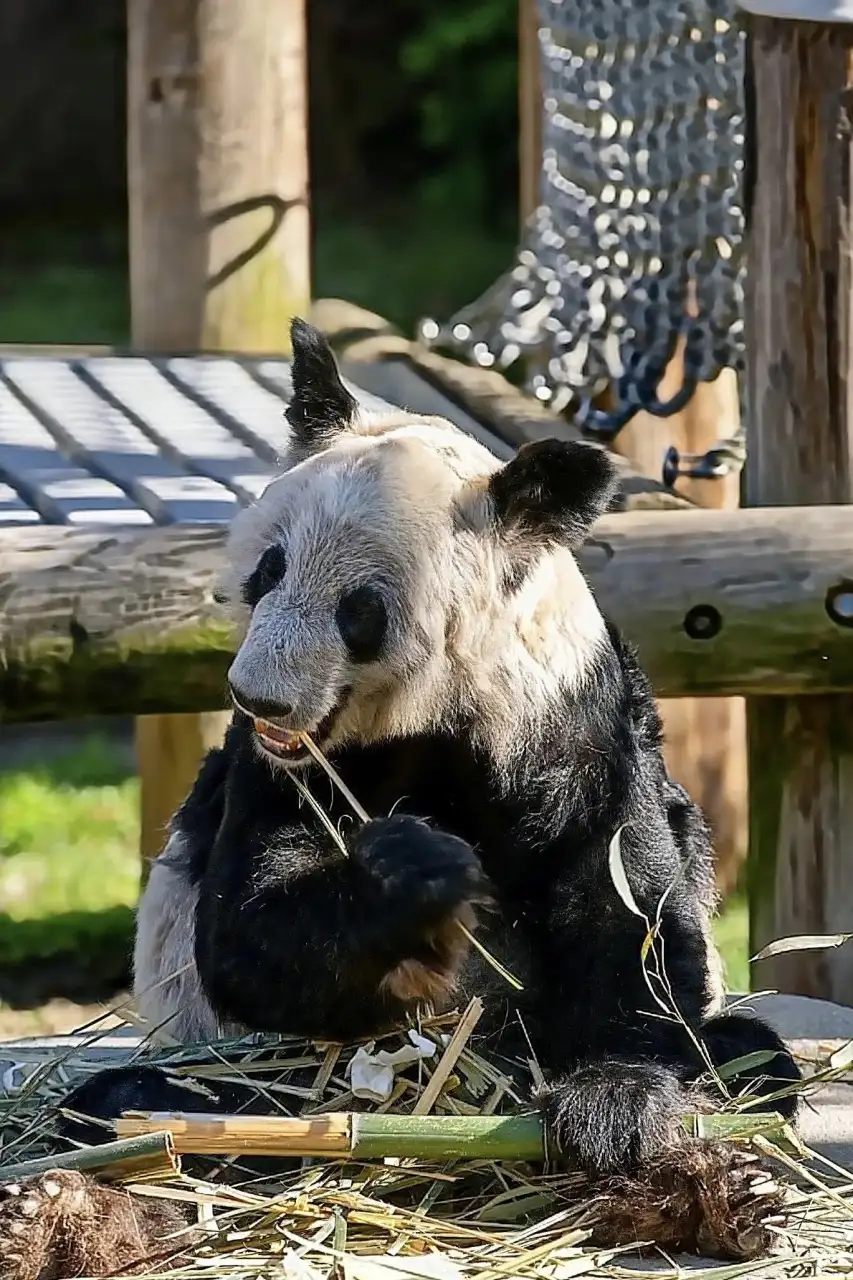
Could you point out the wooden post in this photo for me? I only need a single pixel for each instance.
(219, 234)
(799, 385)
(529, 107)
(705, 738)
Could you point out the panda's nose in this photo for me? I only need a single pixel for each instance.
(258, 708)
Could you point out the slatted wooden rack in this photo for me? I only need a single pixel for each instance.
(128, 440)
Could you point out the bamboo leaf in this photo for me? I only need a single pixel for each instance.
(747, 1062)
(843, 1056)
(619, 877)
(648, 943)
(802, 942)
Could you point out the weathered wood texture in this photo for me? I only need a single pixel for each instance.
(799, 334)
(705, 739)
(217, 173)
(529, 108)
(219, 228)
(126, 622)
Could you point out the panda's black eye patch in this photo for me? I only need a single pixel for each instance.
(267, 574)
(362, 621)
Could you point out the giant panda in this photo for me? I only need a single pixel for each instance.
(414, 605)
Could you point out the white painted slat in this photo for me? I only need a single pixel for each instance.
(59, 489)
(102, 438)
(112, 440)
(232, 390)
(182, 428)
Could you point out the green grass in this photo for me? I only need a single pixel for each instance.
(69, 862)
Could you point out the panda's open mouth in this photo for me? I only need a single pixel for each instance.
(288, 744)
(279, 742)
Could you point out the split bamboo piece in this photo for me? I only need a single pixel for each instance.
(368, 1136)
(450, 1057)
(148, 1154)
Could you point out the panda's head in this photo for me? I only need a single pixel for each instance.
(398, 579)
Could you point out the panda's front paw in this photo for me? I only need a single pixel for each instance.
(424, 874)
(613, 1116)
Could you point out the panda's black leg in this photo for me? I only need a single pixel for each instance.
(108, 1094)
(611, 1115)
(616, 1113)
(731, 1036)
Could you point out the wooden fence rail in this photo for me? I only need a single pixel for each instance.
(739, 602)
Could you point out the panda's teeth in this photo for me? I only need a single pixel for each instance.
(281, 738)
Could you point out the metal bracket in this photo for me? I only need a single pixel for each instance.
(719, 462)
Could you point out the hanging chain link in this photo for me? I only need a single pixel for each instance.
(640, 217)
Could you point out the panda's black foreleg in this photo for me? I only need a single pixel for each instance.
(294, 939)
(614, 1114)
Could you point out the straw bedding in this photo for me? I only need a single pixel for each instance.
(762, 1206)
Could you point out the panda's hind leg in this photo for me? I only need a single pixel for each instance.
(104, 1097)
(731, 1036)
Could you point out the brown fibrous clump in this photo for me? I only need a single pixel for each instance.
(63, 1224)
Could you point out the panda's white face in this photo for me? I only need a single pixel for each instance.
(380, 595)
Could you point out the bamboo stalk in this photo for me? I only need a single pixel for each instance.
(149, 1153)
(212, 1135)
(370, 1136)
(439, 1138)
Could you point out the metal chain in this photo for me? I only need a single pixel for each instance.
(640, 208)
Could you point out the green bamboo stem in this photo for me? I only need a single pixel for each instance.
(440, 1138)
(147, 1155)
(367, 1136)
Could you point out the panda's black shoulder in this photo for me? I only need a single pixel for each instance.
(685, 819)
(643, 711)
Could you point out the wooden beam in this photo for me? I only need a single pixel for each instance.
(717, 602)
(529, 108)
(799, 385)
(219, 233)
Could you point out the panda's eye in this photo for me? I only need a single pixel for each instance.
(362, 619)
(267, 574)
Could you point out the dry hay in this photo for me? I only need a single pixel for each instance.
(779, 1211)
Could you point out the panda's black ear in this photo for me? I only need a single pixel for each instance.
(320, 406)
(554, 490)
